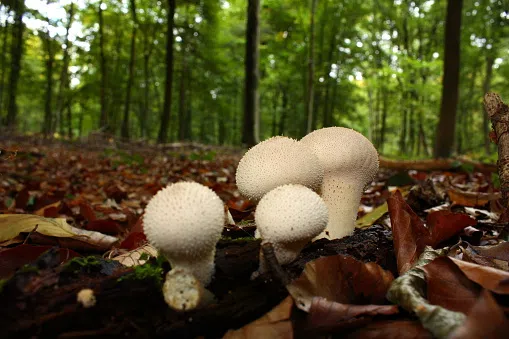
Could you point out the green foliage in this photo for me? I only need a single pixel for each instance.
(378, 69)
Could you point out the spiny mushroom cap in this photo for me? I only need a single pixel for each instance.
(344, 150)
(184, 219)
(275, 162)
(290, 213)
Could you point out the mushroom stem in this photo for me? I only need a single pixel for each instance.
(285, 253)
(201, 267)
(182, 291)
(342, 195)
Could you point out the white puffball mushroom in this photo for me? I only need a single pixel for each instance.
(86, 298)
(275, 162)
(184, 221)
(289, 217)
(350, 162)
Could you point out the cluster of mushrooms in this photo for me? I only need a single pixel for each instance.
(307, 189)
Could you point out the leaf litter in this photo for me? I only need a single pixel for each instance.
(68, 194)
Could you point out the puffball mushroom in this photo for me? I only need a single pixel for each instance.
(275, 162)
(289, 217)
(350, 161)
(184, 221)
(183, 292)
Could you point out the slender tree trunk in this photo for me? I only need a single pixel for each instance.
(104, 114)
(50, 60)
(182, 132)
(5, 33)
(284, 111)
(63, 86)
(311, 69)
(275, 104)
(165, 116)
(250, 135)
(385, 108)
(16, 55)
(450, 87)
(490, 59)
(146, 95)
(117, 75)
(127, 105)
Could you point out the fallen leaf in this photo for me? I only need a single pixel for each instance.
(449, 287)
(485, 320)
(132, 258)
(471, 199)
(394, 329)
(499, 251)
(275, 324)
(104, 226)
(342, 279)
(133, 241)
(490, 278)
(13, 224)
(326, 315)
(411, 235)
(50, 210)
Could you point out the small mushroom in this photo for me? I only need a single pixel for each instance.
(184, 221)
(350, 161)
(289, 217)
(183, 292)
(275, 162)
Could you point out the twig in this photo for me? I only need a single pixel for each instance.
(271, 262)
(498, 112)
(29, 234)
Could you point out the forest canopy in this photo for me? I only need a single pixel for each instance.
(70, 67)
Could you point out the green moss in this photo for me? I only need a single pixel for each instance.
(3, 282)
(28, 269)
(241, 239)
(150, 271)
(79, 264)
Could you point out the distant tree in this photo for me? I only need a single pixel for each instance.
(311, 69)
(125, 121)
(250, 134)
(48, 102)
(16, 54)
(104, 121)
(3, 60)
(165, 116)
(450, 86)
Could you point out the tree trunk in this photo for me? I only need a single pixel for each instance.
(250, 127)
(311, 69)
(182, 132)
(63, 86)
(284, 111)
(165, 116)
(5, 33)
(104, 114)
(125, 121)
(16, 55)
(450, 87)
(50, 59)
(490, 59)
(385, 108)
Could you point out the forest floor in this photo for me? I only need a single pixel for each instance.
(70, 220)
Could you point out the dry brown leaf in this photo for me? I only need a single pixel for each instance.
(394, 329)
(132, 258)
(342, 279)
(471, 199)
(485, 320)
(275, 324)
(449, 287)
(490, 278)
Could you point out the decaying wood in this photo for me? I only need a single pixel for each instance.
(498, 112)
(435, 164)
(137, 308)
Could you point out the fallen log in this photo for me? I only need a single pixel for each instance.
(435, 164)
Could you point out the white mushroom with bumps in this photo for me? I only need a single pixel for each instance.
(275, 162)
(289, 217)
(350, 162)
(184, 221)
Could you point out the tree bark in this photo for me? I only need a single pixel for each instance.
(250, 127)
(5, 33)
(311, 69)
(16, 55)
(450, 87)
(490, 59)
(165, 116)
(125, 121)
(104, 114)
(63, 87)
(50, 60)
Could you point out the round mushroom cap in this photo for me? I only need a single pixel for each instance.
(290, 213)
(275, 162)
(184, 219)
(344, 150)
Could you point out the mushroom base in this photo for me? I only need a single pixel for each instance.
(342, 195)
